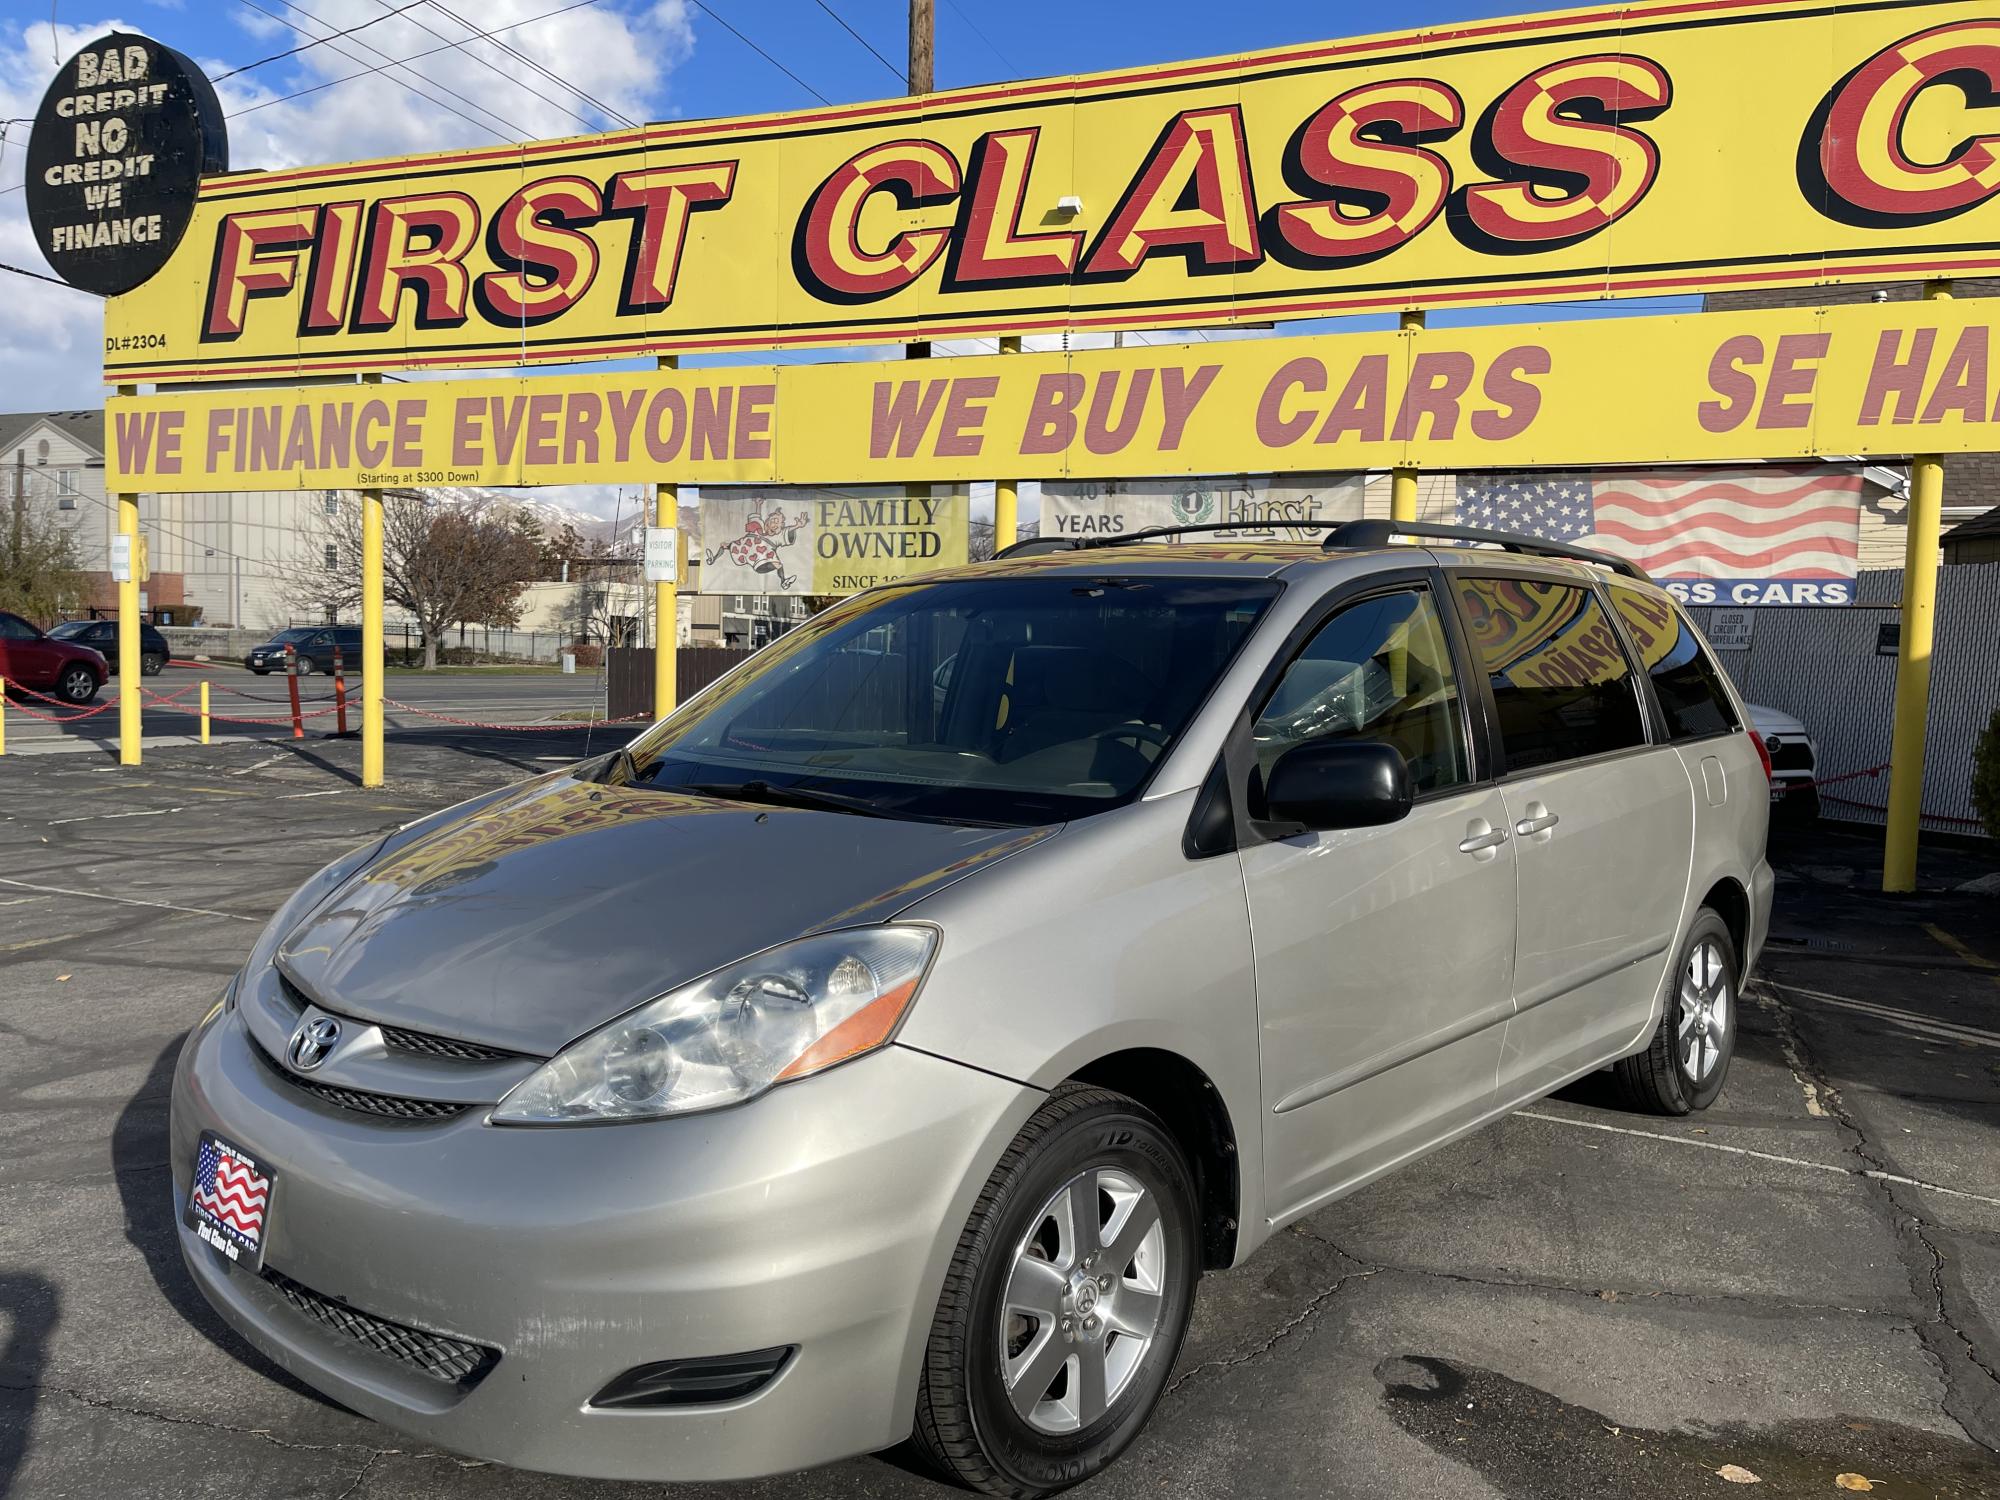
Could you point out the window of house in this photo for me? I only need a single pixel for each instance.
(332, 557)
(66, 489)
(1562, 687)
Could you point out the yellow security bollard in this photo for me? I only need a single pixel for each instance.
(204, 712)
(3, 716)
(666, 594)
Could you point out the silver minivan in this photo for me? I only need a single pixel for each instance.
(882, 1045)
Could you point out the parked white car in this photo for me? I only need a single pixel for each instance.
(1794, 762)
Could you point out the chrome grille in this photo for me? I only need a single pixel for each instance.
(438, 1356)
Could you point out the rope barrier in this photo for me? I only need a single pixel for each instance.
(1784, 789)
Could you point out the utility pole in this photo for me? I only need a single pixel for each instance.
(922, 79)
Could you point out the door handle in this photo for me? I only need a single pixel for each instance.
(1539, 820)
(1480, 837)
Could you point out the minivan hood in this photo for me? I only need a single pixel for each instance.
(536, 918)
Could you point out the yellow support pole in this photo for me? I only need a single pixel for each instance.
(204, 711)
(666, 593)
(129, 726)
(1007, 492)
(1913, 661)
(373, 655)
(3, 716)
(1403, 482)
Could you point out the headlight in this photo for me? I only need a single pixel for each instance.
(302, 901)
(773, 1017)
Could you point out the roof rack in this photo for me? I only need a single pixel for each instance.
(1341, 535)
(1035, 546)
(1382, 533)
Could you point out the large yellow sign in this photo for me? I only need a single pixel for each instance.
(1884, 379)
(1655, 147)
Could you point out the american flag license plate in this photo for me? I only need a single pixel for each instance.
(229, 1201)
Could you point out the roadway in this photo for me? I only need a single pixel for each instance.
(246, 706)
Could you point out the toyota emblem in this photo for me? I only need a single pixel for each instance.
(312, 1041)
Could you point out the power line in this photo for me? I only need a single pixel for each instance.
(52, 280)
(704, 8)
(492, 67)
(894, 71)
(308, 46)
(1005, 61)
(405, 83)
(549, 73)
(369, 72)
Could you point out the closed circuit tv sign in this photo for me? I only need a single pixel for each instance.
(117, 153)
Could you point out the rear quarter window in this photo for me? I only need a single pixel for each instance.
(1685, 677)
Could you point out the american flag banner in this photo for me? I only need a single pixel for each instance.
(230, 1192)
(1768, 534)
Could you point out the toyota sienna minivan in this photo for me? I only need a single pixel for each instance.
(877, 1049)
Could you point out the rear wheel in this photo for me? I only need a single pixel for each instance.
(151, 664)
(1066, 1302)
(77, 684)
(1683, 1067)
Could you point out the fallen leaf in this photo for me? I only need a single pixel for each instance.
(1737, 1474)
(62, 979)
(1607, 1296)
(1853, 1482)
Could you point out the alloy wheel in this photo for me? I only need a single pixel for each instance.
(77, 684)
(1083, 1301)
(1705, 1010)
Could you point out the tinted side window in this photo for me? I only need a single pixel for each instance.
(13, 629)
(1685, 676)
(1561, 685)
(1378, 670)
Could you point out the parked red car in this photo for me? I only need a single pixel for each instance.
(29, 658)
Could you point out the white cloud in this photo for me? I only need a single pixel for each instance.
(620, 54)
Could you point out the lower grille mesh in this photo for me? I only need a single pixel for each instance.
(434, 1355)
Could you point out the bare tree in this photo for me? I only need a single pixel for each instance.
(39, 572)
(446, 562)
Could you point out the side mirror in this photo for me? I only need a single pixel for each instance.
(1328, 784)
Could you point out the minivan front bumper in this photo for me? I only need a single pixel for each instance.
(820, 1217)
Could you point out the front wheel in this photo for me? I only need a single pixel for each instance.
(78, 684)
(1683, 1067)
(1066, 1302)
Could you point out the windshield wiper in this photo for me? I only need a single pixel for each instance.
(786, 796)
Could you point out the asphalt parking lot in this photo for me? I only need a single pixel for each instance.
(246, 706)
(1803, 1282)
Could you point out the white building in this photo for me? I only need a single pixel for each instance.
(226, 556)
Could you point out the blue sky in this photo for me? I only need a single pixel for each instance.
(644, 59)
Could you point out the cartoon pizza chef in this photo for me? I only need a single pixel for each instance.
(757, 548)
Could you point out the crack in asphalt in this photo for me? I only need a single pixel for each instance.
(1922, 1261)
(1309, 1312)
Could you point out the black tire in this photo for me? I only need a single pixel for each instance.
(77, 684)
(967, 1424)
(1666, 1079)
(152, 664)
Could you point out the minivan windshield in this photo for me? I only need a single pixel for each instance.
(70, 629)
(1013, 700)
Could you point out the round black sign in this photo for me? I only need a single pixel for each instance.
(119, 146)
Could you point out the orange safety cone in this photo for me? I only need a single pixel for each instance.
(298, 722)
(339, 692)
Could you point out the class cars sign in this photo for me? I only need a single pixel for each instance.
(1626, 149)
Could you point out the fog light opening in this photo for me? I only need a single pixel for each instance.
(694, 1382)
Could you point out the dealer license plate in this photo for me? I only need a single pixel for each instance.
(229, 1201)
